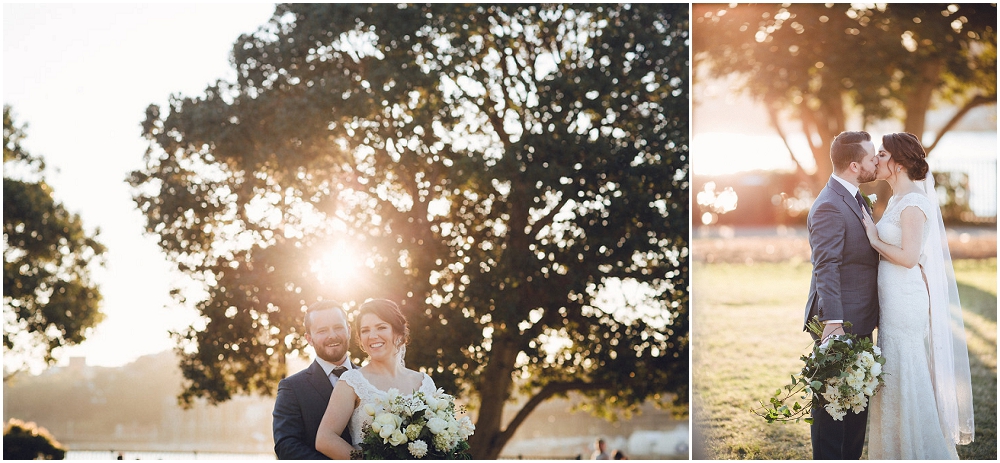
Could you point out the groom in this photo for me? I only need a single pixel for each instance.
(844, 285)
(303, 397)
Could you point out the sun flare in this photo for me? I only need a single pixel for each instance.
(339, 265)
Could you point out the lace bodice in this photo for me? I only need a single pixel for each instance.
(368, 393)
(889, 227)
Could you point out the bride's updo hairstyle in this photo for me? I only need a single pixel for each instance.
(389, 312)
(907, 151)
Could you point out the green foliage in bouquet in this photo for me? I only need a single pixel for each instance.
(839, 375)
(414, 428)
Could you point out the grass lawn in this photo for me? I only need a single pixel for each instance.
(747, 338)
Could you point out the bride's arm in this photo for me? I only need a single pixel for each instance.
(338, 413)
(911, 220)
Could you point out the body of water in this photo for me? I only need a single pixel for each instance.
(971, 153)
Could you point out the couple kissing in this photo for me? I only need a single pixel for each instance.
(895, 276)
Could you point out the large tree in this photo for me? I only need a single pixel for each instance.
(819, 64)
(516, 176)
(49, 300)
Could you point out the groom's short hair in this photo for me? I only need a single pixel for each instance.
(328, 304)
(846, 148)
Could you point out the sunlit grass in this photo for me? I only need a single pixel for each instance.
(747, 338)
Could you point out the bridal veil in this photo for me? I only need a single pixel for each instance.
(949, 354)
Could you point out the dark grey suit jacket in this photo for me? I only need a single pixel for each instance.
(298, 411)
(845, 267)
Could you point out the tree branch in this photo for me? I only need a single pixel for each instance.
(547, 392)
(547, 220)
(773, 116)
(978, 100)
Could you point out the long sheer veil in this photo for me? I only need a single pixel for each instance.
(949, 354)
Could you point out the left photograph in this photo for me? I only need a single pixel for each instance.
(309, 231)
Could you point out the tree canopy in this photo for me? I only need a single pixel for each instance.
(820, 63)
(49, 300)
(516, 176)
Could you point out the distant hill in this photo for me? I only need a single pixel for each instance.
(134, 407)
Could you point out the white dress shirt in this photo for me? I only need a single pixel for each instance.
(328, 367)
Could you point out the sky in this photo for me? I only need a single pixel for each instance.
(81, 76)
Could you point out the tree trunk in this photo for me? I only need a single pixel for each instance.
(820, 127)
(919, 99)
(494, 390)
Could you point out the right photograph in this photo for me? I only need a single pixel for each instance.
(844, 231)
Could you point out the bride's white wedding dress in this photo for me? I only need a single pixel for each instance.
(369, 394)
(903, 418)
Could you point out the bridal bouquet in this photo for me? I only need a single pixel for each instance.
(414, 427)
(840, 375)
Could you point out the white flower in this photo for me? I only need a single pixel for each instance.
(444, 400)
(466, 428)
(873, 197)
(437, 425)
(370, 409)
(413, 431)
(397, 438)
(876, 350)
(417, 448)
(855, 379)
(385, 424)
(835, 412)
(876, 370)
(431, 402)
(444, 442)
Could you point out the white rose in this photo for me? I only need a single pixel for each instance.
(876, 369)
(444, 403)
(384, 424)
(437, 425)
(466, 427)
(876, 350)
(397, 438)
(370, 409)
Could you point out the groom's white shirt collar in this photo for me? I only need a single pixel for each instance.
(328, 367)
(853, 190)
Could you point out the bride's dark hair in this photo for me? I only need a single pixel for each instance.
(389, 312)
(905, 149)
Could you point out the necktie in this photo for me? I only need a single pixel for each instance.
(861, 201)
(337, 371)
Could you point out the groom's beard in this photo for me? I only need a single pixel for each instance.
(866, 176)
(332, 354)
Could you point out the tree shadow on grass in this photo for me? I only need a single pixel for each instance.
(984, 375)
(979, 302)
(984, 402)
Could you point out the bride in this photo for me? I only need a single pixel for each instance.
(925, 406)
(383, 334)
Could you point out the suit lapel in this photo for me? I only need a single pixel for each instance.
(319, 379)
(851, 201)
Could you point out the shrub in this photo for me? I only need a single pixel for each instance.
(28, 441)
